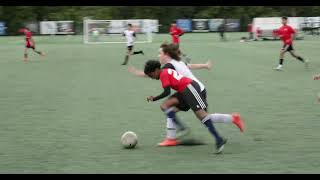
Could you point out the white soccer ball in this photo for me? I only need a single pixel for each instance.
(129, 139)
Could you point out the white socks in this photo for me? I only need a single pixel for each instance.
(171, 129)
(221, 118)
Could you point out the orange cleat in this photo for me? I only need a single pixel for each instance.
(168, 142)
(237, 121)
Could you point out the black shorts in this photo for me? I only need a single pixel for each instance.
(193, 97)
(183, 105)
(29, 46)
(287, 47)
(129, 48)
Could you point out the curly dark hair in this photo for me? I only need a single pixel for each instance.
(151, 66)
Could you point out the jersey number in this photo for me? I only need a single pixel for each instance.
(175, 74)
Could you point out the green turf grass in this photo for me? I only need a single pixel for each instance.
(65, 113)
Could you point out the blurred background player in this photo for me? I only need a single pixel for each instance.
(191, 93)
(286, 33)
(130, 36)
(317, 77)
(29, 43)
(250, 31)
(222, 29)
(95, 33)
(175, 33)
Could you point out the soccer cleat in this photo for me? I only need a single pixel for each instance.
(279, 68)
(220, 146)
(168, 142)
(236, 119)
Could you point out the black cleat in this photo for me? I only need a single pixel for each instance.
(220, 146)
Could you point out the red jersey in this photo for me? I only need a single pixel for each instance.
(285, 32)
(28, 34)
(249, 28)
(170, 77)
(175, 33)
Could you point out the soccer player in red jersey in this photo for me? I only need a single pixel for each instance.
(175, 33)
(29, 43)
(191, 93)
(286, 33)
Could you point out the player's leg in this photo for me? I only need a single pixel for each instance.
(25, 54)
(184, 56)
(170, 107)
(282, 52)
(223, 118)
(293, 54)
(128, 53)
(220, 141)
(197, 103)
(36, 51)
(136, 52)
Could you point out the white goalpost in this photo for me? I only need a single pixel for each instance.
(110, 31)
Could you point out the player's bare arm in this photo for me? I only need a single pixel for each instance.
(208, 66)
(136, 71)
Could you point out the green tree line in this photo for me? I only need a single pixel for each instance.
(16, 16)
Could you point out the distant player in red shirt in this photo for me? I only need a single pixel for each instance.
(29, 43)
(286, 33)
(191, 93)
(175, 33)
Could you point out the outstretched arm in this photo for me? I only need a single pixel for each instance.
(136, 72)
(201, 66)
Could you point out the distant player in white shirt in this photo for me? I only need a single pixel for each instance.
(130, 35)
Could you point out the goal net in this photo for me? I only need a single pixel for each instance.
(110, 31)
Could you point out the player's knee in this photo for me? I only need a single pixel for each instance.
(163, 106)
(201, 114)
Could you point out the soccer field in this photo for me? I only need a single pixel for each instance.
(65, 113)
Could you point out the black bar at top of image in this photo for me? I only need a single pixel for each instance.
(159, 2)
